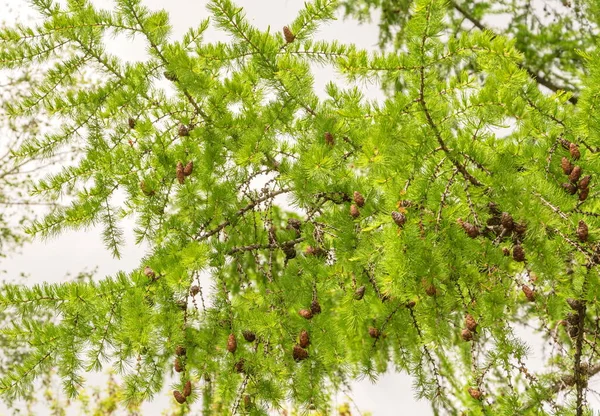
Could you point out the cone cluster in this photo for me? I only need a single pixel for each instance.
(576, 182)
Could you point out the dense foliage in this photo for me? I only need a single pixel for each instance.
(299, 242)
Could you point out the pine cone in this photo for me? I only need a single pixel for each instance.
(507, 221)
(359, 199)
(187, 390)
(470, 322)
(575, 174)
(574, 151)
(183, 131)
(299, 353)
(575, 304)
(582, 231)
(506, 251)
(178, 365)
(570, 188)
(194, 290)
(249, 335)
(354, 212)
(180, 350)
(180, 174)
(373, 332)
(239, 366)
(360, 292)
(131, 123)
(471, 230)
(466, 335)
(315, 307)
(518, 253)
(329, 139)
(179, 397)
(583, 194)
(399, 218)
(529, 293)
(231, 343)
(565, 143)
(189, 168)
(410, 304)
(314, 251)
(149, 272)
(566, 165)
(305, 313)
(288, 35)
(430, 289)
(585, 181)
(475, 393)
(289, 251)
(520, 229)
(493, 208)
(304, 339)
(294, 224)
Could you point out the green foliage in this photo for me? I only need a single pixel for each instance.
(443, 203)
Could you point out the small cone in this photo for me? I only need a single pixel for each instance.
(566, 166)
(583, 194)
(294, 224)
(178, 366)
(189, 168)
(470, 323)
(304, 339)
(194, 290)
(329, 139)
(411, 304)
(574, 151)
(359, 199)
(529, 293)
(289, 251)
(520, 229)
(570, 188)
(466, 335)
(506, 251)
(429, 288)
(179, 397)
(288, 35)
(399, 218)
(575, 174)
(373, 332)
(584, 182)
(354, 212)
(149, 272)
(183, 130)
(231, 343)
(131, 123)
(249, 335)
(475, 393)
(239, 367)
(315, 307)
(518, 253)
(299, 353)
(360, 292)
(582, 231)
(180, 350)
(471, 230)
(187, 390)
(507, 221)
(305, 313)
(180, 174)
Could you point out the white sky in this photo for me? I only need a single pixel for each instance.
(76, 251)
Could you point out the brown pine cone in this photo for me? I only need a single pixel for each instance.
(131, 123)
(470, 322)
(575, 174)
(180, 174)
(239, 366)
(359, 199)
(584, 182)
(410, 304)
(471, 230)
(289, 251)
(570, 188)
(149, 272)
(429, 287)
(574, 151)
(518, 253)
(189, 168)
(329, 139)
(582, 231)
(475, 393)
(360, 292)
(507, 221)
(304, 339)
(305, 313)
(399, 218)
(288, 35)
(566, 165)
(187, 390)
(354, 212)
(179, 397)
(506, 251)
(231, 343)
(466, 335)
(315, 307)
(493, 208)
(520, 228)
(583, 194)
(314, 251)
(180, 350)
(294, 224)
(194, 290)
(178, 365)
(373, 332)
(299, 353)
(249, 335)
(529, 293)
(183, 130)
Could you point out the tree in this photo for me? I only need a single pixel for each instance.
(298, 242)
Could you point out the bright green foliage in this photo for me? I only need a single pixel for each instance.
(465, 220)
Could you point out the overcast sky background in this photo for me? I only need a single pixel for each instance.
(73, 252)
